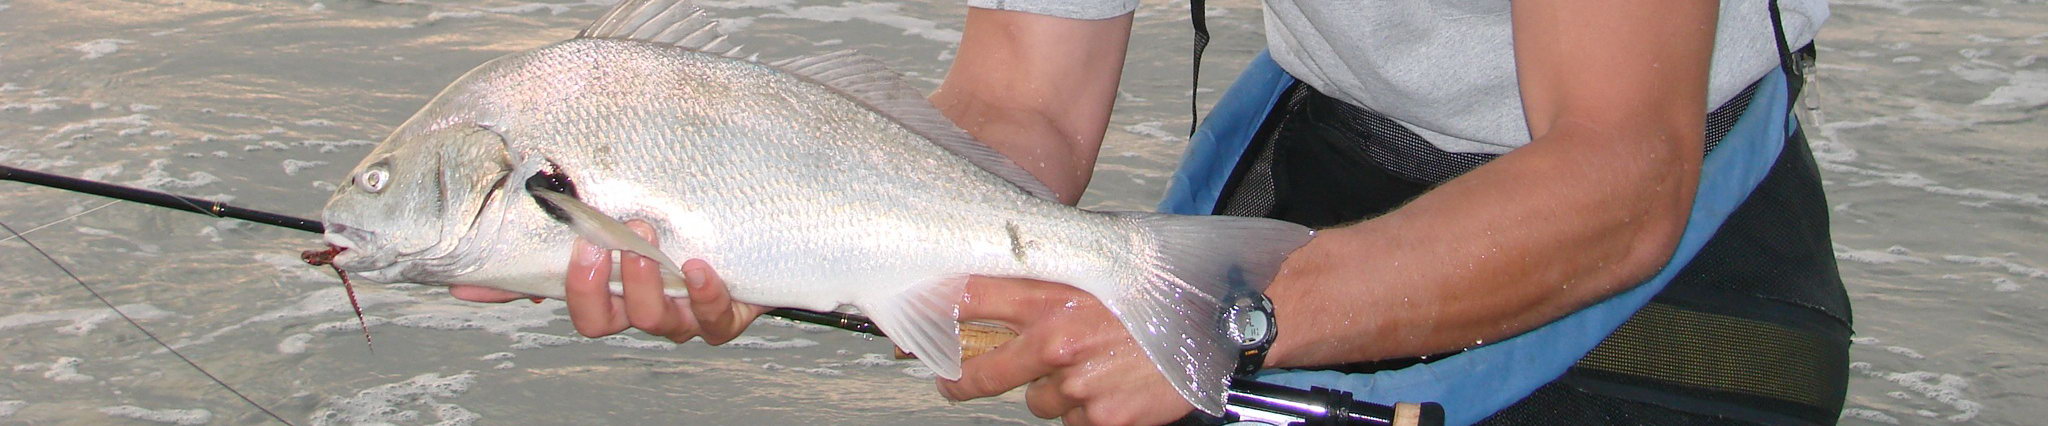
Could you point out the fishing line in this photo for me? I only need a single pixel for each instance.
(55, 222)
(138, 326)
(202, 210)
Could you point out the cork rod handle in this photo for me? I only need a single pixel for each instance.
(978, 338)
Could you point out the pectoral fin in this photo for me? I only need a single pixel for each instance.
(602, 230)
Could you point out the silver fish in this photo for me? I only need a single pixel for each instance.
(816, 183)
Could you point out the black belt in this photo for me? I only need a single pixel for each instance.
(1714, 353)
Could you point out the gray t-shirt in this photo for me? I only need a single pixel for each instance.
(1446, 68)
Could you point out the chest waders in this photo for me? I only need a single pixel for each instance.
(1747, 322)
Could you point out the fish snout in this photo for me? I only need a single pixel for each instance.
(358, 252)
(345, 236)
(355, 244)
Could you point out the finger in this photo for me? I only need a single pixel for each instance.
(719, 320)
(1013, 364)
(588, 292)
(648, 307)
(484, 294)
(1122, 388)
(1077, 417)
(997, 299)
(1044, 399)
(1012, 301)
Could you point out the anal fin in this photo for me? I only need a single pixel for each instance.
(923, 321)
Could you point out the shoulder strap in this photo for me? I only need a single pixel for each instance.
(1198, 14)
(1794, 64)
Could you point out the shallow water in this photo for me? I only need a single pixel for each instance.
(1927, 123)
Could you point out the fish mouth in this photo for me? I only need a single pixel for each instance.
(350, 255)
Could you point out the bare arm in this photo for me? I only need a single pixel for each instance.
(1614, 93)
(1039, 89)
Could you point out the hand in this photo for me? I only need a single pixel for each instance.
(1082, 366)
(709, 312)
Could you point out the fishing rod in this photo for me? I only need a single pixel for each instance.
(841, 321)
(1249, 402)
(159, 199)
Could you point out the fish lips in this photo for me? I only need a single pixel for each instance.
(356, 258)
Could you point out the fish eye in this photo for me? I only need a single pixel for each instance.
(373, 180)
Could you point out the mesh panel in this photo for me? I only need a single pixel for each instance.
(1569, 405)
(1722, 353)
(1723, 119)
(1250, 191)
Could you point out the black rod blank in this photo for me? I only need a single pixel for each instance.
(837, 320)
(159, 199)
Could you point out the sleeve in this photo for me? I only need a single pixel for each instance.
(1070, 9)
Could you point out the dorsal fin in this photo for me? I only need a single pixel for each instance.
(871, 83)
(673, 22)
(864, 79)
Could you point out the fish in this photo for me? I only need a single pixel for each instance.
(821, 182)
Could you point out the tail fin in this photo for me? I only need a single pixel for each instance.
(1195, 266)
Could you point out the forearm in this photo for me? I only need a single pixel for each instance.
(1506, 248)
(1038, 89)
(1594, 204)
(1064, 160)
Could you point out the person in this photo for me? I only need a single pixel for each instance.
(1512, 198)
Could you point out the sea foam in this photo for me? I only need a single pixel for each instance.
(1940, 387)
(327, 301)
(401, 402)
(886, 14)
(63, 370)
(293, 167)
(156, 178)
(84, 320)
(1895, 254)
(2026, 90)
(2007, 265)
(1870, 415)
(102, 47)
(171, 416)
(294, 344)
(757, 342)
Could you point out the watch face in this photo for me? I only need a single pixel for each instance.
(1254, 326)
(1249, 323)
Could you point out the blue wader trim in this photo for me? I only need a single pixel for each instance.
(1216, 146)
(1476, 383)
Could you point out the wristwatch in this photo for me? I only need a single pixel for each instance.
(1252, 329)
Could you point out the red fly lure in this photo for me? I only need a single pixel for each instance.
(326, 258)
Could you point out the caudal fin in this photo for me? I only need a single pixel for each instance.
(1198, 264)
